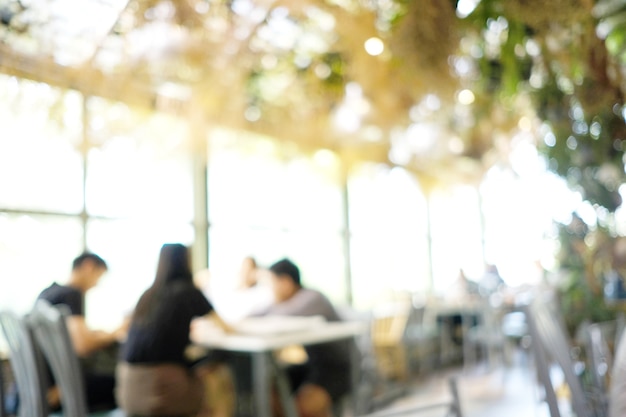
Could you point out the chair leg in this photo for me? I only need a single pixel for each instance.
(455, 407)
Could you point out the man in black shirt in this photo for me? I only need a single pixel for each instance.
(87, 269)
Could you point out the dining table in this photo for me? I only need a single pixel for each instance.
(263, 337)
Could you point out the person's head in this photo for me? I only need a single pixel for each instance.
(174, 265)
(285, 279)
(87, 269)
(248, 272)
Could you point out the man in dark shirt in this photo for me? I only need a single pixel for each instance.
(87, 269)
(325, 377)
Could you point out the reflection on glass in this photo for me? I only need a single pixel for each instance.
(34, 252)
(131, 249)
(40, 166)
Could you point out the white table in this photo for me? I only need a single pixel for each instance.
(261, 348)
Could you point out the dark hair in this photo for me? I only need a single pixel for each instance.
(89, 257)
(285, 267)
(174, 267)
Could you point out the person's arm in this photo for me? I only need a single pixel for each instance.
(213, 316)
(85, 340)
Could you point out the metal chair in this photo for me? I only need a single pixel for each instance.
(600, 363)
(48, 326)
(421, 337)
(550, 346)
(451, 407)
(24, 360)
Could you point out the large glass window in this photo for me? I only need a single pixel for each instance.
(143, 170)
(34, 252)
(139, 194)
(456, 230)
(269, 204)
(40, 165)
(131, 248)
(520, 203)
(388, 223)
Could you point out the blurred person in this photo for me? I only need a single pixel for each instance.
(248, 273)
(155, 376)
(87, 270)
(462, 288)
(325, 377)
(238, 297)
(491, 281)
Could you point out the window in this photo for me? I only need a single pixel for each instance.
(40, 166)
(35, 250)
(388, 222)
(267, 203)
(131, 248)
(456, 236)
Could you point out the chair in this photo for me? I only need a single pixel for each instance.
(48, 326)
(421, 338)
(487, 336)
(549, 345)
(24, 360)
(389, 325)
(452, 407)
(598, 337)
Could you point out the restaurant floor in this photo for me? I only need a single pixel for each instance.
(506, 390)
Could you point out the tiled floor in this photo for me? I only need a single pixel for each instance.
(510, 391)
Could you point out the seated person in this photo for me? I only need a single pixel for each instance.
(87, 269)
(325, 377)
(238, 298)
(155, 376)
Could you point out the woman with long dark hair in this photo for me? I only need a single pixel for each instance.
(154, 376)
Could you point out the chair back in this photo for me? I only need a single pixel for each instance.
(550, 345)
(600, 361)
(24, 360)
(389, 324)
(50, 331)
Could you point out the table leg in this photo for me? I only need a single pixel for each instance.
(262, 376)
(469, 354)
(284, 390)
(356, 360)
(2, 393)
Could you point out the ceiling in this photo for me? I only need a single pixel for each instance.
(369, 79)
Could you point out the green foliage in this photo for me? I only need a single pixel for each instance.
(581, 292)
